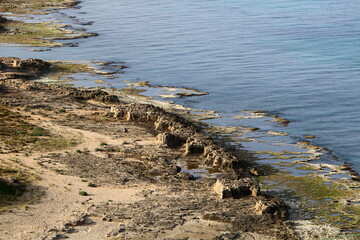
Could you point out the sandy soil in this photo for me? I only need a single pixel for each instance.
(59, 201)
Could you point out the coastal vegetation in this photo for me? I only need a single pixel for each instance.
(14, 182)
(36, 34)
(35, 6)
(18, 134)
(330, 202)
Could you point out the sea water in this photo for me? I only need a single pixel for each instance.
(296, 59)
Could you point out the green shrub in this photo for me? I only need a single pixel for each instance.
(7, 189)
(83, 193)
(38, 131)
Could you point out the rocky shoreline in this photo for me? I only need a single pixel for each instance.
(234, 201)
(85, 164)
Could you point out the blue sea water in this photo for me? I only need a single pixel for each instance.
(298, 59)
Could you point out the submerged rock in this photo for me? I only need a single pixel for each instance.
(284, 122)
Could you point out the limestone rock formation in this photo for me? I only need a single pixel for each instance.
(25, 64)
(227, 188)
(96, 95)
(187, 135)
(194, 146)
(17, 68)
(171, 140)
(273, 206)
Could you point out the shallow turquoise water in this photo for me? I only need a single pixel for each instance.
(298, 59)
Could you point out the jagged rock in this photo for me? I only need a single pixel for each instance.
(256, 172)
(196, 143)
(218, 157)
(227, 188)
(31, 63)
(161, 120)
(170, 139)
(16, 75)
(194, 146)
(118, 112)
(273, 206)
(97, 95)
(161, 124)
(16, 68)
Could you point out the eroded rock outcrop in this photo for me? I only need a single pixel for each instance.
(96, 95)
(25, 64)
(176, 131)
(171, 140)
(195, 145)
(274, 206)
(227, 188)
(12, 68)
(172, 129)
